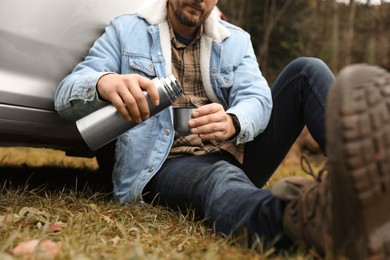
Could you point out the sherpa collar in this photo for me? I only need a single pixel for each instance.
(155, 12)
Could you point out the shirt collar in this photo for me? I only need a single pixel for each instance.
(177, 43)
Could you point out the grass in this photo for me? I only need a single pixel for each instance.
(63, 200)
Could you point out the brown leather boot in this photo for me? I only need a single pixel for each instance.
(358, 143)
(346, 215)
(305, 214)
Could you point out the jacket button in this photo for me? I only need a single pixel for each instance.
(89, 93)
(226, 79)
(167, 131)
(151, 168)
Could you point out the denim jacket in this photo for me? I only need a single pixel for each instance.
(140, 43)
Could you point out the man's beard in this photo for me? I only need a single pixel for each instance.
(184, 20)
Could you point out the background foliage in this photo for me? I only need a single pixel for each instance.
(338, 33)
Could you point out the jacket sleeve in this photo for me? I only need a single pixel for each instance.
(250, 96)
(76, 95)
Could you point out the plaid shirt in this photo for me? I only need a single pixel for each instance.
(186, 68)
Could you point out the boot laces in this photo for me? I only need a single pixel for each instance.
(308, 169)
(305, 216)
(313, 192)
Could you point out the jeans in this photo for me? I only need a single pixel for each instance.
(299, 95)
(227, 194)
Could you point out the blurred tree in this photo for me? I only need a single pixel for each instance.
(350, 32)
(338, 32)
(273, 12)
(334, 24)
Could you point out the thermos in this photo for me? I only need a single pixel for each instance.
(106, 124)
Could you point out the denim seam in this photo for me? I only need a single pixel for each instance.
(310, 83)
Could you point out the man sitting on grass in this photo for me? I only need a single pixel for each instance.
(240, 131)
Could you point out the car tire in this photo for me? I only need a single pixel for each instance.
(105, 158)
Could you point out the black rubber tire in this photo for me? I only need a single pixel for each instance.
(105, 158)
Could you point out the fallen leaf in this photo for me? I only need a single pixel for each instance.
(49, 248)
(26, 247)
(55, 227)
(46, 249)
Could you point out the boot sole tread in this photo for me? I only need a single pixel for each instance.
(359, 123)
(366, 135)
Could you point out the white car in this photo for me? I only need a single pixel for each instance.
(40, 43)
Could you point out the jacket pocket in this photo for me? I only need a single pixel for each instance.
(142, 66)
(224, 78)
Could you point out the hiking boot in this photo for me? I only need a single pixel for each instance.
(346, 214)
(358, 146)
(305, 214)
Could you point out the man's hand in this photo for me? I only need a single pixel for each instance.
(211, 122)
(125, 92)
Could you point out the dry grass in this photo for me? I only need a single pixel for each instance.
(86, 224)
(34, 157)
